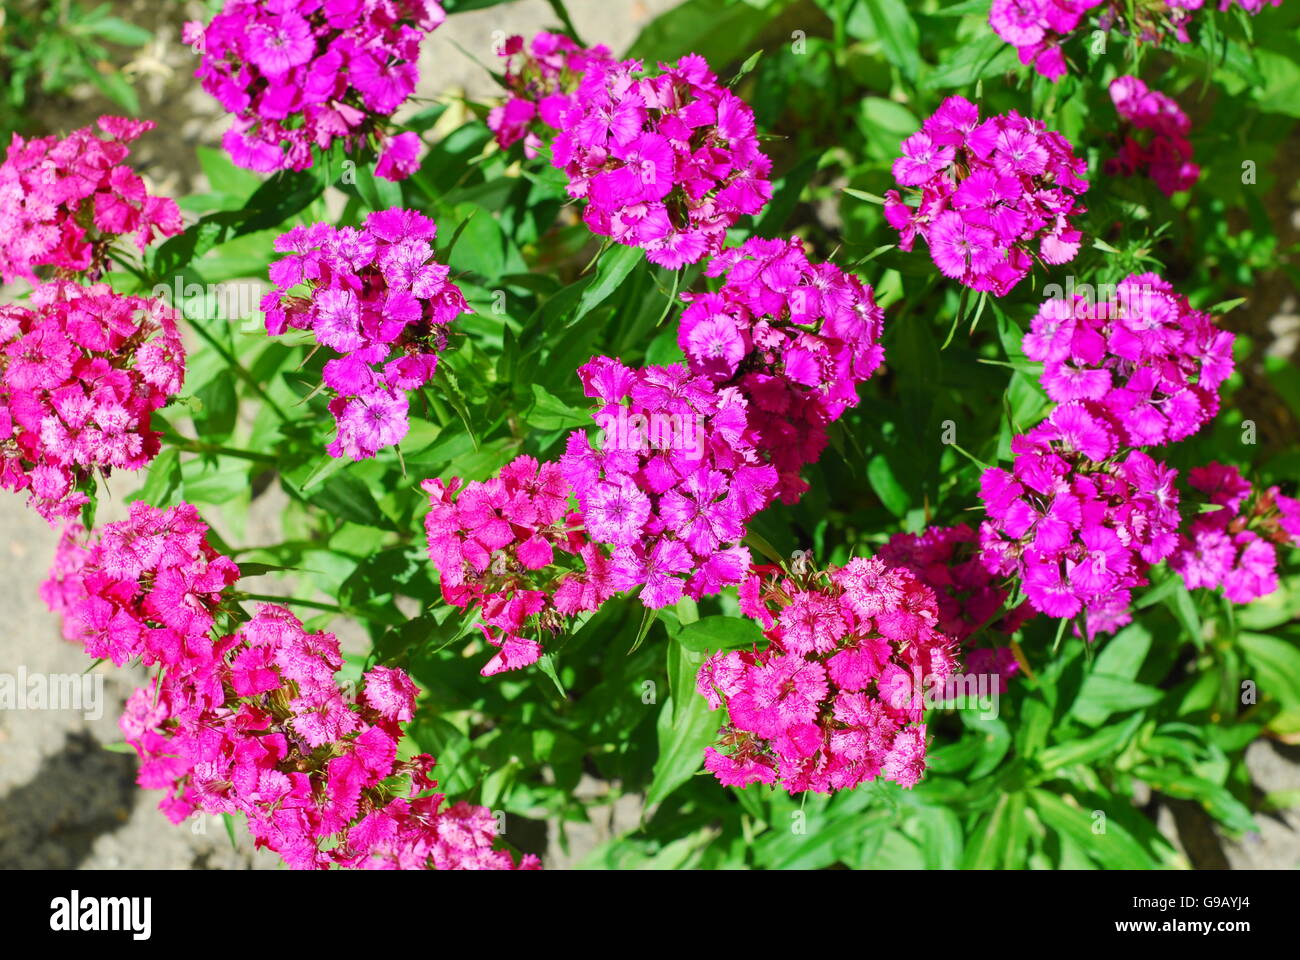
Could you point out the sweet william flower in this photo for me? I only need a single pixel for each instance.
(376, 296)
(540, 78)
(64, 202)
(835, 699)
(666, 162)
(82, 369)
(989, 196)
(299, 74)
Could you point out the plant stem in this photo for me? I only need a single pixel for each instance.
(198, 446)
(314, 604)
(558, 8)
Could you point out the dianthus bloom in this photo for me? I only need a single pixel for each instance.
(1076, 527)
(838, 696)
(1235, 546)
(970, 600)
(540, 79)
(81, 371)
(795, 338)
(148, 587)
(1038, 28)
(666, 163)
(1166, 155)
(1143, 361)
(510, 547)
(255, 723)
(989, 192)
(378, 298)
(64, 202)
(673, 480)
(302, 73)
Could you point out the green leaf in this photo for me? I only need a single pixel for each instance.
(1101, 695)
(1115, 848)
(686, 726)
(1217, 801)
(713, 633)
(889, 22)
(612, 269)
(880, 474)
(549, 412)
(1276, 664)
(996, 841)
(1106, 742)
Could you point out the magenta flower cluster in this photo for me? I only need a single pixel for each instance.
(1144, 363)
(1039, 28)
(990, 192)
(666, 162)
(255, 722)
(673, 481)
(838, 696)
(146, 588)
(377, 297)
(795, 338)
(1235, 546)
(299, 74)
(65, 202)
(1036, 28)
(81, 371)
(497, 546)
(1077, 529)
(1166, 154)
(1084, 512)
(540, 78)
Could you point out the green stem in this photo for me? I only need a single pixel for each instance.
(198, 446)
(558, 8)
(314, 604)
(233, 362)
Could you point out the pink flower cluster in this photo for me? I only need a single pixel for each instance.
(508, 546)
(540, 79)
(1144, 363)
(1167, 154)
(1038, 28)
(970, 600)
(64, 202)
(255, 722)
(837, 697)
(149, 587)
(673, 482)
(81, 371)
(795, 338)
(302, 73)
(666, 163)
(988, 192)
(377, 297)
(1235, 546)
(1078, 529)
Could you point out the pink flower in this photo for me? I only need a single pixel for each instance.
(298, 75)
(988, 192)
(63, 203)
(666, 163)
(81, 371)
(377, 296)
(835, 699)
